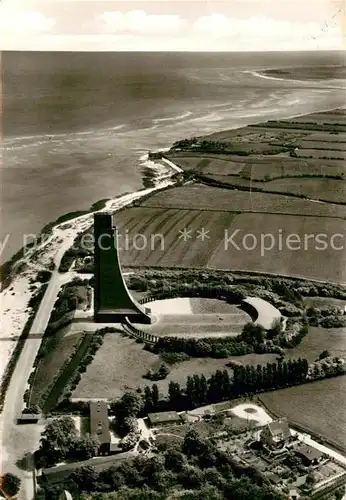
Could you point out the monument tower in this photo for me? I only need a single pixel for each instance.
(112, 299)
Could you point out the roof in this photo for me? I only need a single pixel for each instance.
(274, 478)
(163, 417)
(279, 429)
(28, 416)
(309, 452)
(99, 463)
(99, 424)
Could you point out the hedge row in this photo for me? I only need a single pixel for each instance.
(6, 379)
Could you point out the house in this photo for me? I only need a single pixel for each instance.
(28, 418)
(99, 425)
(309, 455)
(164, 418)
(276, 434)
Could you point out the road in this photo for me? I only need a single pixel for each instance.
(19, 440)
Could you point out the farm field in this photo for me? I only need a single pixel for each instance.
(200, 196)
(327, 117)
(326, 189)
(322, 145)
(121, 362)
(304, 259)
(329, 190)
(321, 153)
(318, 406)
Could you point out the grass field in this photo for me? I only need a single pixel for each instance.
(319, 406)
(121, 362)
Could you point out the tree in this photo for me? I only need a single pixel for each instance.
(324, 354)
(83, 448)
(174, 394)
(10, 484)
(148, 399)
(129, 405)
(59, 433)
(155, 395)
(85, 478)
(174, 460)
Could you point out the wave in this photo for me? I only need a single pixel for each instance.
(14, 143)
(173, 118)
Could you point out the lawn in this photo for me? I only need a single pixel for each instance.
(319, 406)
(121, 362)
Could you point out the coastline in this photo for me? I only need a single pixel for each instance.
(15, 297)
(296, 74)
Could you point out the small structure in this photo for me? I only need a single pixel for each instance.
(28, 418)
(293, 494)
(65, 495)
(276, 434)
(164, 418)
(309, 455)
(274, 478)
(99, 425)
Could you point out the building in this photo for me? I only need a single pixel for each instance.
(99, 425)
(309, 455)
(28, 418)
(276, 434)
(112, 299)
(164, 418)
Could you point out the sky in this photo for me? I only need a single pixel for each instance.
(175, 25)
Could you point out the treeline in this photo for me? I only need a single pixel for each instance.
(224, 385)
(289, 289)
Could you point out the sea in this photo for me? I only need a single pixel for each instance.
(77, 126)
